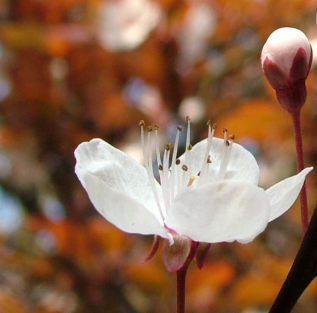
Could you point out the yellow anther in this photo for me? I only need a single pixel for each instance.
(156, 127)
(231, 137)
(184, 168)
(191, 180)
(160, 167)
(189, 147)
(224, 130)
(149, 129)
(167, 147)
(141, 123)
(187, 119)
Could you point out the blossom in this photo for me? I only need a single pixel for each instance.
(125, 24)
(209, 194)
(286, 60)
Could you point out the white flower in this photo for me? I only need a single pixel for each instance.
(210, 194)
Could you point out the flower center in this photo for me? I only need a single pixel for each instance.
(176, 175)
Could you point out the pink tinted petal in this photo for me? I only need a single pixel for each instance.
(175, 255)
(220, 211)
(283, 194)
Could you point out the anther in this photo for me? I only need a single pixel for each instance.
(167, 147)
(187, 119)
(160, 167)
(141, 123)
(208, 159)
(231, 137)
(180, 128)
(178, 161)
(184, 168)
(224, 130)
(156, 127)
(149, 129)
(189, 147)
(214, 126)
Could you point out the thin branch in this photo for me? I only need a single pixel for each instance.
(302, 272)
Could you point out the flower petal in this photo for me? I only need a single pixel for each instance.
(118, 188)
(242, 165)
(220, 211)
(283, 194)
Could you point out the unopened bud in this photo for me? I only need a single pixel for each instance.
(286, 60)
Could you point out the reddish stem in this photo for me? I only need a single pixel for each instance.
(300, 167)
(181, 282)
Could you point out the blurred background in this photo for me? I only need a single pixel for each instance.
(72, 70)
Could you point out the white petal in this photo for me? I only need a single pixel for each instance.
(242, 164)
(220, 211)
(283, 194)
(118, 187)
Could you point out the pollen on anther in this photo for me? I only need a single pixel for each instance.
(189, 147)
(160, 167)
(184, 168)
(224, 130)
(156, 127)
(141, 123)
(180, 128)
(187, 119)
(208, 159)
(149, 129)
(231, 137)
(178, 161)
(167, 147)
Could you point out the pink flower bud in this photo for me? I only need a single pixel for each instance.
(286, 60)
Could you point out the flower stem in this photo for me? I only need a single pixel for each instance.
(300, 167)
(181, 280)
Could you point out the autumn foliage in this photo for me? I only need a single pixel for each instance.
(62, 84)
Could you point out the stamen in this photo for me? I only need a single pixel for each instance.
(191, 180)
(188, 145)
(142, 124)
(157, 149)
(165, 183)
(174, 161)
(149, 168)
(225, 155)
(206, 159)
(184, 177)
